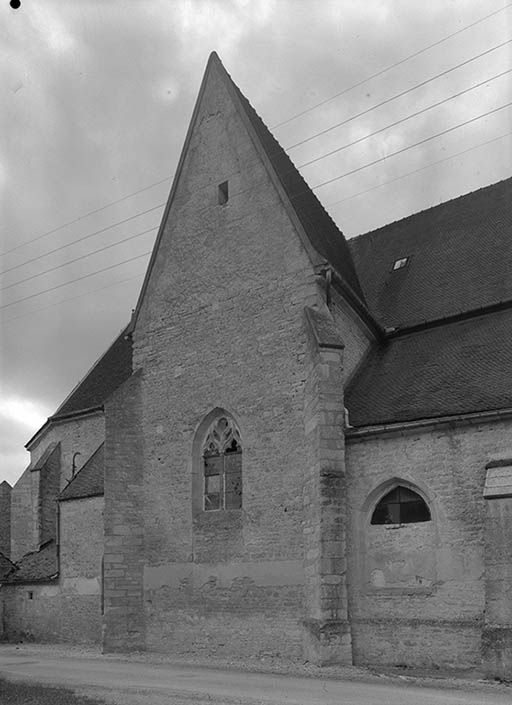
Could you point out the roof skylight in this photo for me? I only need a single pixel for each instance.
(400, 263)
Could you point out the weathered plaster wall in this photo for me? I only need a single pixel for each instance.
(417, 591)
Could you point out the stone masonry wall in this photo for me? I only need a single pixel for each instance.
(356, 338)
(123, 554)
(5, 518)
(327, 638)
(221, 326)
(82, 435)
(22, 517)
(69, 609)
(497, 638)
(416, 591)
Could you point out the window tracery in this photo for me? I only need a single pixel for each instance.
(222, 466)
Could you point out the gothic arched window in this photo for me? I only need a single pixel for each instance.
(401, 506)
(222, 465)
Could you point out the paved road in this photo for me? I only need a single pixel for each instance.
(176, 684)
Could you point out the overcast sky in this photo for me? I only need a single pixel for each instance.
(96, 100)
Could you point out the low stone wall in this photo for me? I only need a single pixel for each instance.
(44, 612)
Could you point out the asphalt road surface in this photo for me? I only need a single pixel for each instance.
(129, 682)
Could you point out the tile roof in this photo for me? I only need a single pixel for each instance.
(88, 481)
(37, 566)
(455, 368)
(460, 258)
(107, 374)
(323, 233)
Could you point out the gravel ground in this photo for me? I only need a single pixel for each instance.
(452, 679)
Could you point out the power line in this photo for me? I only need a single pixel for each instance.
(397, 95)
(388, 68)
(73, 298)
(408, 117)
(72, 281)
(422, 168)
(81, 239)
(307, 163)
(291, 196)
(60, 227)
(85, 215)
(333, 203)
(404, 149)
(77, 259)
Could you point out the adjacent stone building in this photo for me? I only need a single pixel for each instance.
(300, 444)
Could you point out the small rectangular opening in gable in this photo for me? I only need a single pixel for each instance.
(223, 193)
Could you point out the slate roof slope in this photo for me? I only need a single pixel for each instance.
(88, 481)
(106, 375)
(325, 236)
(460, 259)
(37, 566)
(451, 369)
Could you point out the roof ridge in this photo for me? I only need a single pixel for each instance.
(429, 208)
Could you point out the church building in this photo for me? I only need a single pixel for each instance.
(300, 444)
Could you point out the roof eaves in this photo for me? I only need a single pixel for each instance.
(61, 418)
(354, 432)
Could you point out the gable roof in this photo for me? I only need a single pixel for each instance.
(321, 232)
(105, 376)
(36, 566)
(457, 368)
(88, 481)
(460, 259)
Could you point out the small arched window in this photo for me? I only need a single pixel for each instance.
(222, 466)
(401, 506)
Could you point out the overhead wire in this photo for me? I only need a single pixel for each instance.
(78, 259)
(397, 95)
(291, 196)
(85, 215)
(77, 279)
(328, 205)
(416, 144)
(415, 171)
(73, 298)
(304, 164)
(80, 239)
(388, 68)
(404, 119)
(161, 181)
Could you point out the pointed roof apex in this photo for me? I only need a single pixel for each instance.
(321, 236)
(322, 232)
(214, 57)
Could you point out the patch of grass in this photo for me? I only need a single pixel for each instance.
(15, 693)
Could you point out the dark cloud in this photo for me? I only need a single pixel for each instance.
(97, 102)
